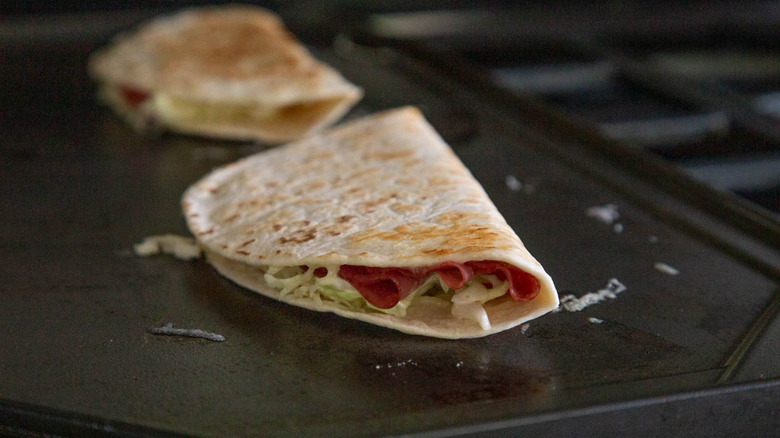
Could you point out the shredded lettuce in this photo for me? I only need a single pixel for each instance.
(466, 303)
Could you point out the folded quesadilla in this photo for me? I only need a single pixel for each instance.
(375, 220)
(231, 72)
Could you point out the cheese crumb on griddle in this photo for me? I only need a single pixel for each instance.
(604, 213)
(572, 303)
(666, 269)
(184, 248)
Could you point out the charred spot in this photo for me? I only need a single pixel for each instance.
(246, 243)
(206, 232)
(277, 227)
(232, 218)
(345, 218)
(299, 236)
(242, 252)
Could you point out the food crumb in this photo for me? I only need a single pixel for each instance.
(524, 328)
(183, 248)
(516, 185)
(595, 320)
(604, 213)
(513, 183)
(169, 330)
(666, 269)
(572, 303)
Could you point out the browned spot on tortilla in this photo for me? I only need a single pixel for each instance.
(204, 233)
(399, 207)
(312, 201)
(451, 232)
(230, 219)
(235, 38)
(277, 227)
(361, 173)
(242, 252)
(411, 162)
(438, 251)
(324, 155)
(438, 180)
(369, 206)
(345, 218)
(261, 203)
(250, 203)
(299, 236)
(408, 181)
(246, 243)
(390, 155)
(316, 185)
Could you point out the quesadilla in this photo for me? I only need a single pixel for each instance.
(231, 72)
(375, 220)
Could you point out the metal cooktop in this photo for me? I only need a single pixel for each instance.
(687, 347)
(697, 83)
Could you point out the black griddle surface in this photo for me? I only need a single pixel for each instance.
(80, 188)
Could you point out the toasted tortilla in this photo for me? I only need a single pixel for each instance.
(231, 72)
(381, 191)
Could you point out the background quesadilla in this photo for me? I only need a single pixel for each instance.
(225, 71)
(376, 220)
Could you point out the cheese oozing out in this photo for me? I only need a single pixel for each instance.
(283, 120)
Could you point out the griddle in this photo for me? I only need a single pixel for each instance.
(688, 354)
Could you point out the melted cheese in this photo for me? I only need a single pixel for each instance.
(184, 110)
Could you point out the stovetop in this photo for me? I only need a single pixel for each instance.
(567, 105)
(696, 83)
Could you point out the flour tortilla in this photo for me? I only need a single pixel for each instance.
(231, 72)
(381, 191)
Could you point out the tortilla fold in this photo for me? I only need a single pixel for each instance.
(381, 191)
(232, 72)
